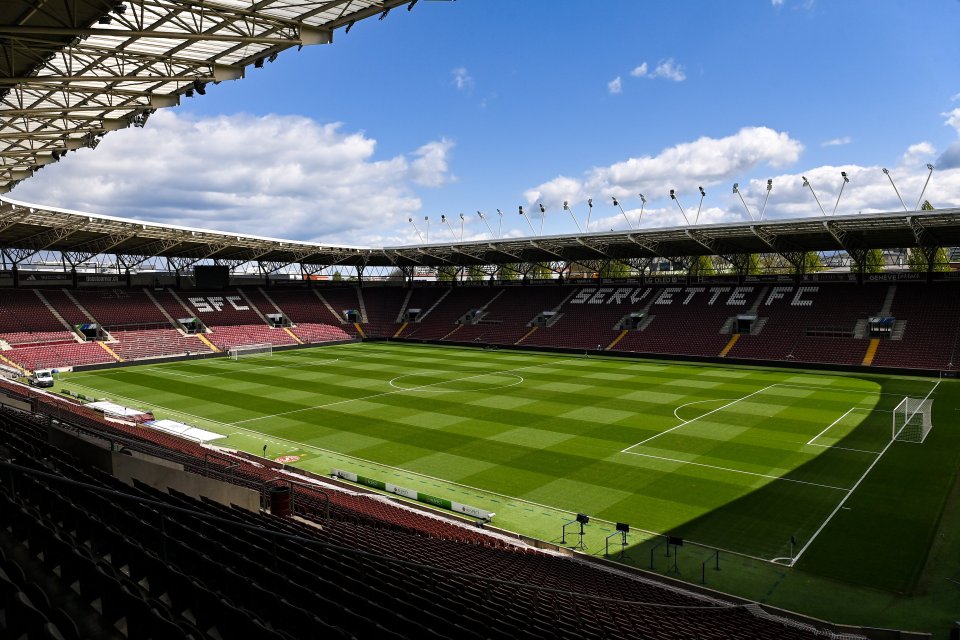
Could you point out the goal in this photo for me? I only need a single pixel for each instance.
(912, 419)
(246, 350)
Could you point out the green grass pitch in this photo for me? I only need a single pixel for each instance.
(738, 458)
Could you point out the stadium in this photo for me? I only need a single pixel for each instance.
(737, 429)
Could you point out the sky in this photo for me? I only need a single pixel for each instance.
(478, 105)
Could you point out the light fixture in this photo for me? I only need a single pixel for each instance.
(616, 203)
(200, 87)
(807, 184)
(736, 187)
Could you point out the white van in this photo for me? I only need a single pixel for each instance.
(42, 378)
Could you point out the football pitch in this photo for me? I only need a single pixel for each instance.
(783, 466)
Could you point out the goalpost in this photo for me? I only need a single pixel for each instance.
(242, 351)
(912, 419)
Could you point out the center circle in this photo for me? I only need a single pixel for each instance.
(434, 383)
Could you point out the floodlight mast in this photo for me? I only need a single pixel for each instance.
(807, 184)
(920, 199)
(897, 191)
(543, 217)
(446, 221)
(427, 219)
(524, 216)
(703, 194)
(589, 213)
(500, 226)
(643, 202)
(673, 196)
(766, 197)
(843, 174)
(413, 222)
(484, 218)
(566, 207)
(616, 203)
(736, 190)
(462, 218)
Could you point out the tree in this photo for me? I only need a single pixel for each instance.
(702, 266)
(509, 272)
(336, 276)
(446, 274)
(917, 260)
(874, 261)
(616, 269)
(812, 262)
(476, 274)
(540, 271)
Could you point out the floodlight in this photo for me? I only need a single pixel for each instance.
(461, 216)
(258, 63)
(929, 166)
(583, 518)
(188, 93)
(623, 526)
(443, 218)
(542, 210)
(702, 192)
(736, 187)
(769, 184)
(521, 209)
(886, 171)
(273, 57)
(843, 174)
(643, 199)
(200, 86)
(566, 206)
(673, 194)
(806, 182)
(105, 19)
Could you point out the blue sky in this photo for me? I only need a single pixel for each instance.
(484, 104)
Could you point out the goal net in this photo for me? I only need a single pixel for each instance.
(243, 351)
(912, 419)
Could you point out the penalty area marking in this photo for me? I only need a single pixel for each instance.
(518, 380)
(686, 422)
(687, 404)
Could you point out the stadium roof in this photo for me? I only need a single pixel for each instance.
(74, 70)
(26, 229)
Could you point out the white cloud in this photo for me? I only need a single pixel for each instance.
(837, 142)
(462, 79)
(670, 70)
(917, 153)
(281, 176)
(955, 97)
(953, 119)
(776, 3)
(640, 71)
(430, 166)
(615, 86)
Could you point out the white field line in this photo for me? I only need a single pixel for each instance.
(396, 390)
(830, 426)
(833, 446)
(278, 440)
(687, 404)
(686, 422)
(839, 506)
(748, 473)
(794, 385)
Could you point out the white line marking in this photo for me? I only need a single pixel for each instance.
(519, 380)
(810, 441)
(833, 446)
(839, 506)
(387, 393)
(686, 422)
(749, 473)
(687, 404)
